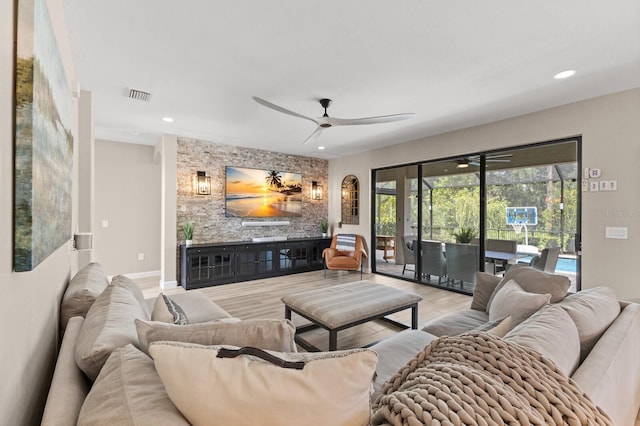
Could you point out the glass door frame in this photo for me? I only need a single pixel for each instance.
(482, 200)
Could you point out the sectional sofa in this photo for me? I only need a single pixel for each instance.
(104, 374)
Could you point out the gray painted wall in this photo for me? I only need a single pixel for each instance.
(127, 196)
(30, 300)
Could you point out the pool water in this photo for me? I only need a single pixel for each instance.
(565, 264)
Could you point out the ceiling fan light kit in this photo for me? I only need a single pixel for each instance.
(326, 121)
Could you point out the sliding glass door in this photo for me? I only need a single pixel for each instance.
(439, 222)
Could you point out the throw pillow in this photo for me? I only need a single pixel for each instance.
(333, 388)
(128, 391)
(498, 328)
(109, 325)
(271, 334)
(513, 301)
(166, 310)
(485, 285)
(592, 311)
(533, 280)
(83, 289)
(551, 332)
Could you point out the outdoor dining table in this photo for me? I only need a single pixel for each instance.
(501, 256)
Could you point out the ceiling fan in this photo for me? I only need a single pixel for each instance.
(325, 121)
(475, 160)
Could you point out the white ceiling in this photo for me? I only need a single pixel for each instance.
(454, 63)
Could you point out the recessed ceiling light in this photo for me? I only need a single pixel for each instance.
(167, 119)
(564, 74)
(321, 147)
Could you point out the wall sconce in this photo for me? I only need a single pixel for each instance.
(201, 184)
(83, 241)
(316, 190)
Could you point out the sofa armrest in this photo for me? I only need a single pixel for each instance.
(69, 386)
(610, 374)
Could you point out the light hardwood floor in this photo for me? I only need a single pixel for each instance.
(261, 299)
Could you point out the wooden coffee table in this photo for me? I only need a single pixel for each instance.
(347, 305)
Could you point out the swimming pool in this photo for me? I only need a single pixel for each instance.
(565, 264)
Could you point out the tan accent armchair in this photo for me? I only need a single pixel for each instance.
(344, 260)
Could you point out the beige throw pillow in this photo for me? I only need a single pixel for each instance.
(271, 334)
(498, 328)
(128, 391)
(166, 310)
(551, 332)
(333, 388)
(485, 286)
(533, 280)
(513, 301)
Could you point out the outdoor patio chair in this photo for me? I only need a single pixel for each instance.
(433, 261)
(546, 261)
(408, 254)
(462, 262)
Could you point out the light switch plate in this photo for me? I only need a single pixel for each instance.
(585, 185)
(105, 223)
(594, 186)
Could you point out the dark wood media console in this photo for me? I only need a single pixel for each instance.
(205, 265)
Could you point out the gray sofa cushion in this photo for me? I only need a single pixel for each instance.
(83, 289)
(456, 323)
(551, 332)
(532, 280)
(592, 311)
(128, 391)
(268, 334)
(132, 287)
(395, 351)
(109, 325)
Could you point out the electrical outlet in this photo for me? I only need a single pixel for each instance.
(140, 256)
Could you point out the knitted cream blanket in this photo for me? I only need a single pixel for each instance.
(479, 379)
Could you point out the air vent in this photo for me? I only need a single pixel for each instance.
(139, 95)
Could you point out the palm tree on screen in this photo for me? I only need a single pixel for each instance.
(273, 179)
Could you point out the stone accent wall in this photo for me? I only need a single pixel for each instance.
(208, 211)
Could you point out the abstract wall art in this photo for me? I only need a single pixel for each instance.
(43, 140)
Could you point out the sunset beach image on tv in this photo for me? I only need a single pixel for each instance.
(262, 193)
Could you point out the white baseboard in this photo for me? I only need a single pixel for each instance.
(165, 285)
(145, 274)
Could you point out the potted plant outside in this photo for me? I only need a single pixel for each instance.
(464, 235)
(187, 228)
(324, 227)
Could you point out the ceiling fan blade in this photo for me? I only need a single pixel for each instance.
(369, 120)
(313, 135)
(280, 109)
(474, 163)
(492, 156)
(491, 160)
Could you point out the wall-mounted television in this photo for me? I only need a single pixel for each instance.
(262, 193)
